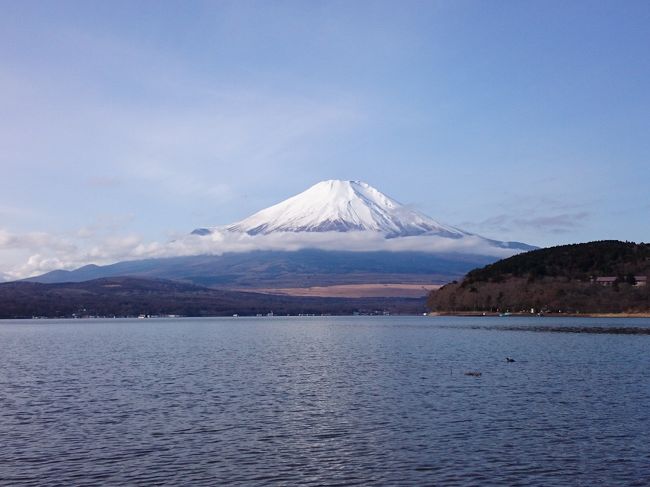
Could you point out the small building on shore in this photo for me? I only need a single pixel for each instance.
(605, 281)
(610, 280)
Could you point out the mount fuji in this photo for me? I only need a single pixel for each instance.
(343, 206)
(346, 207)
(334, 233)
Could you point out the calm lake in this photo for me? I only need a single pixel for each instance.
(323, 401)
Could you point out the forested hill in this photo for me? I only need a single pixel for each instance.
(604, 276)
(577, 261)
(130, 296)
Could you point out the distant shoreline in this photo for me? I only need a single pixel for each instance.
(370, 290)
(482, 314)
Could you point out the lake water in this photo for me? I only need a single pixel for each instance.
(323, 401)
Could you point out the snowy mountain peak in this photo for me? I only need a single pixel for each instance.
(342, 206)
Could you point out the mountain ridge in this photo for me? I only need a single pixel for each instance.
(308, 267)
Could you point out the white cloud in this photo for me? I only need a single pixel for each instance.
(48, 252)
(222, 241)
(30, 254)
(35, 240)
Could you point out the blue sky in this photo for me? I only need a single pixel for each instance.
(126, 123)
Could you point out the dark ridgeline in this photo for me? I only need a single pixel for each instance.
(128, 296)
(269, 269)
(604, 276)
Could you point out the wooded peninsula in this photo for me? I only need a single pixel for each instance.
(607, 276)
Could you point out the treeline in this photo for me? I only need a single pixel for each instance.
(126, 296)
(542, 295)
(577, 261)
(555, 279)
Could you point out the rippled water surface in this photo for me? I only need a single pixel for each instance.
(322, 401)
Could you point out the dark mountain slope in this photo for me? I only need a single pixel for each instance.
(267, 269)
(127, 296)
(558, 278)
(577, 261)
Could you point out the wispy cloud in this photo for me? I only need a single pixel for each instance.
(557, 223)
(34, 240)
(47, 252)
(561, 223)
(103, 181)
(499, 223)
(201, 149)
(149, 128)
(51, 252)
(105, 226)
(523, 214)
(7, 211)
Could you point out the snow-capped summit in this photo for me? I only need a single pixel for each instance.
(343, 206)
(352, 207)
